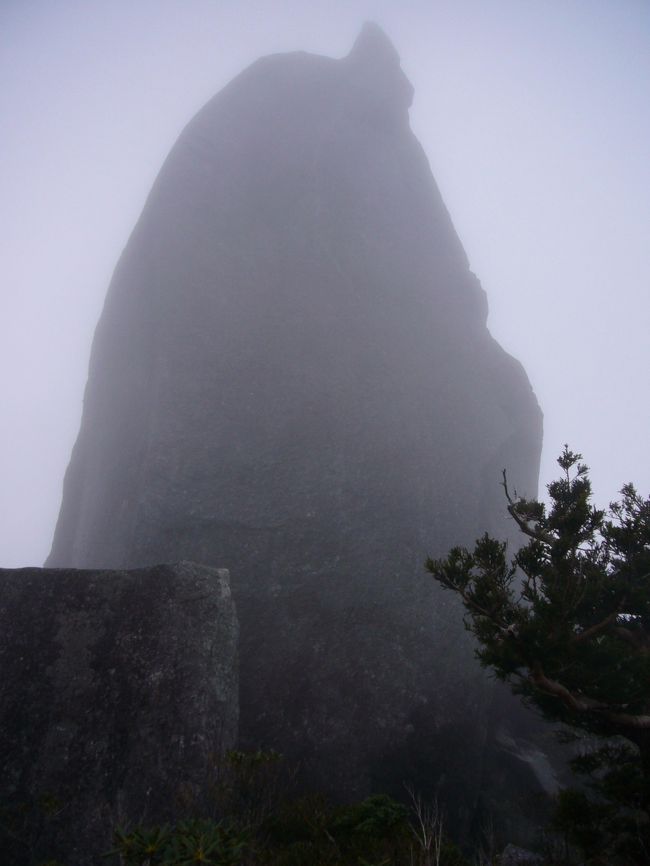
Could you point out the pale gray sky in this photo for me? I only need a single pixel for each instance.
(535, 117)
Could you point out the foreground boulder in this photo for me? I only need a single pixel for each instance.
(292, 376)
(118, 692)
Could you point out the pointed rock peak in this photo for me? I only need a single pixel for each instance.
(375, 67)
(373, 47)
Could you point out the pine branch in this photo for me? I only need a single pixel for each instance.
(523, 524)
(596, 629)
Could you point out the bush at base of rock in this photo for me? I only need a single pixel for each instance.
(307, 831)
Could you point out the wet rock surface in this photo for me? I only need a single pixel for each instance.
(118, 690)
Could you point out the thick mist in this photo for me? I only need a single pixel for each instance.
(533, 116)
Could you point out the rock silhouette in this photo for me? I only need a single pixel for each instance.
(292, 378)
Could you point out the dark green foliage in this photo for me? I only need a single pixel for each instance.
(566, 622)
(604, 820)
(378, 817)
(25, 822)
(372, 830)
(288, 831)
(189, 842)
(248, 786)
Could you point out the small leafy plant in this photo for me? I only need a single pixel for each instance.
(199, 841)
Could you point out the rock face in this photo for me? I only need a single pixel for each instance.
(292, 376)
(117, 691)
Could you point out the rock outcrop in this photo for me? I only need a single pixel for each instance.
(292, 376)
(118, 692)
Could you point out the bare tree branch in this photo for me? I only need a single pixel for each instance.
(584, 704)
(522, 522)
(596, 629)
(638, 639)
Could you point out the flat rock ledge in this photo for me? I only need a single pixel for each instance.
(118, 692)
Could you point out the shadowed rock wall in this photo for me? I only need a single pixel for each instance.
(292, 376)
(118, 690)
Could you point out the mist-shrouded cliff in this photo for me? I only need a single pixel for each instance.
(292, 378)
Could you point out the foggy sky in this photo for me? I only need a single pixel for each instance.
(535, 118)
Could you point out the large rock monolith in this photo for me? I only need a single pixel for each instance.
(118, 695)
(292, 376)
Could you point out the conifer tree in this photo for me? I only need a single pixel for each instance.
(566, 622)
